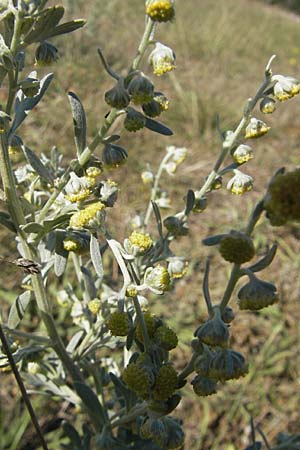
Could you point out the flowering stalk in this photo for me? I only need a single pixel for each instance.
(235, 272)
(229, 143)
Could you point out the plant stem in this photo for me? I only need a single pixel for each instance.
(43, 304)
(231, 141)
(155, 187)
(142, 323)
(143, 44)
(189, 368)
(234, 276)
(22, 389)
(138, 411)
(236, 272)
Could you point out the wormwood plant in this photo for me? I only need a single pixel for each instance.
(114, 361)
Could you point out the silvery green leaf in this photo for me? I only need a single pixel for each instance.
(23, 105)
(265, 261)
(190, 200)
(5, 220)
(158, 218)
(79, 121)
(73, 435)
(44, 24)
(130, 338)
(60, 263)
(158, 127)
(91, 401)
(18, 308)
(110, 139)
(5, 55)
(213, 240)
(74, 341)
(59, 221)
(37, 165)
(89, 282)
(96, 256)
(66, 27)
(33, 227)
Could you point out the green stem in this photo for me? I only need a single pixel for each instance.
(44, 211)
(43, 304)
(30, 336)
(142, 323)
(88, 151)
(22, 389)
(17, 32)
(13, 86)
(138, 411)
(189, 368)
(236, 270)
(231, 141)
(234, 276)
(155, 187)
(143, 44)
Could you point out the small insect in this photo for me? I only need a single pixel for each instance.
(27, 265)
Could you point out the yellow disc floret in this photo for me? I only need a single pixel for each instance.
(165, 383)
(141, 240)
(87, 216)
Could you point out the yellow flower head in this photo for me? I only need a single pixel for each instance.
(78, 188)
(285, 87)
(162, 59)
(160, 10)
(256, 128)
(240, 183)
(242, 154)
(157, 279)
(89, 217)
(138, 243)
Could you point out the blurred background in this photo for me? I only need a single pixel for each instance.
(221, 48)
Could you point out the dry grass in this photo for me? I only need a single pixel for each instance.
(222, 48)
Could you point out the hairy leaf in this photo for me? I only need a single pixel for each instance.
(79, 121)
(23, 105)
(96, 256)
(18, 308)
(158, 127)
